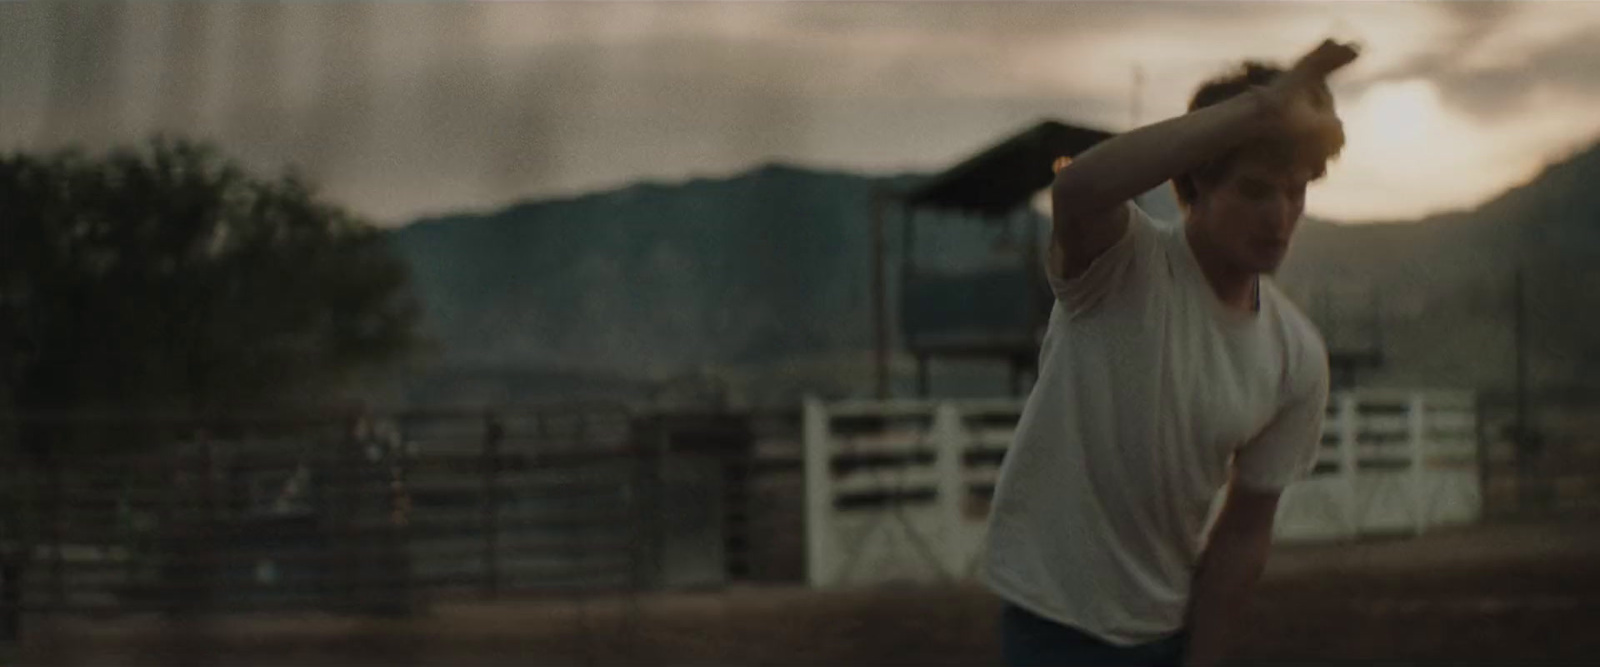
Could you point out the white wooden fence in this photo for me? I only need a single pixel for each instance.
(899, 490)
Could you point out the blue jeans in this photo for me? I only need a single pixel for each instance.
(1030, 641)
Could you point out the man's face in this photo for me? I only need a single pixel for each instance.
(1249, 214)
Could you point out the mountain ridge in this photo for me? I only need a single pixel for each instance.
(657, 278)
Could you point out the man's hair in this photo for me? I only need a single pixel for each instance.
(1248, 75)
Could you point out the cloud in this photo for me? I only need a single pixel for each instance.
(406, 108)
(1477, 19)
(1500, 56)
(1495, 93)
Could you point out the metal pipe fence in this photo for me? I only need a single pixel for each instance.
(386, 513)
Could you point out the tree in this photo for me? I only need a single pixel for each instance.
(166, 278)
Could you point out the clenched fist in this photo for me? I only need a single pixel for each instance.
(1298, 102)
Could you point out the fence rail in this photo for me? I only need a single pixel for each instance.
(901, 489)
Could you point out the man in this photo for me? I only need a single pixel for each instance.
(1170, 369)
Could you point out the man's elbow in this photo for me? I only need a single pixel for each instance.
(1234, 563)
(1070, 189)
(1243, 532)
(1072, 204)
(1081, 198)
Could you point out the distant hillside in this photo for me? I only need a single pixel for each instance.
(1442, 287)
(653, 279)
(769, 271)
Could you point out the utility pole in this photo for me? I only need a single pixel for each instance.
(1526, 441)
(1518, 310)
(880, 319)
(1137, 94)
(1377, 321)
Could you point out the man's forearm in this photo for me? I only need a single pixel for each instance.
(1228, 573)
(1129, 164)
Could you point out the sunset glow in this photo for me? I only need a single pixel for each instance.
(1409, 155)
(1399, 133)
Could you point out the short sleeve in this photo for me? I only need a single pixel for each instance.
(1286, 449)
(1109, 272)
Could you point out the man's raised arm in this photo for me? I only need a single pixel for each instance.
(1089, 193)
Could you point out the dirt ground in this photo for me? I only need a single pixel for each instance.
(1501, 594)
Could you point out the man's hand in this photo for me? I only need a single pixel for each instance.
(1235, 557)
(1299, 102)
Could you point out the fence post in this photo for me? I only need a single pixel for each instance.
(58, 584)
(347, 489)
(10, 600)
(1417, 428)
(16, 539)
(493, 433)
(1481, 452)
(659, 458)
(819, 491)
(650, 443)
(948, 439)
(1348, 434)
(737, 503)
(399, 533)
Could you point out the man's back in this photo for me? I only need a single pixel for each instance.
(1147, 385)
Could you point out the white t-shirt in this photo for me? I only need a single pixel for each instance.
(1148, 386)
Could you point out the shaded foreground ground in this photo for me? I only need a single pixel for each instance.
(1503, 594)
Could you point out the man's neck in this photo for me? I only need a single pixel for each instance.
(1236, 289)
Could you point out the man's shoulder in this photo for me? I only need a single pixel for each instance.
(1299, 332)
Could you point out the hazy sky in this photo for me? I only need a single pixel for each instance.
(405, 109)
